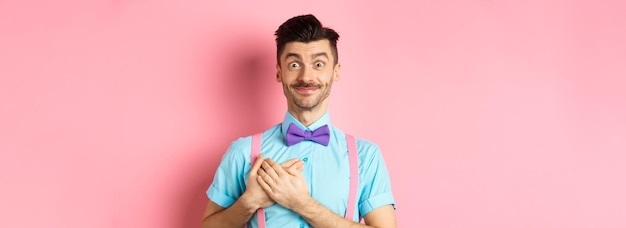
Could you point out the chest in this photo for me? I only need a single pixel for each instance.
(326, 171)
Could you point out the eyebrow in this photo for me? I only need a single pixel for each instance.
(297, 56)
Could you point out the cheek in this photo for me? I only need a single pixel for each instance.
(330, 76)
(288, 74)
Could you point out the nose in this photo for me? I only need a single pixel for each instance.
(306, 73)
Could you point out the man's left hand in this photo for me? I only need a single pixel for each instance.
(286, 187)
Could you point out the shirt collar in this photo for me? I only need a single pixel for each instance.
(324, 120)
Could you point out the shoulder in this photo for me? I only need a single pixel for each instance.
(242, 145)
(365, 145)
(367, 150)
(241, 142)
(238, 151)
(369, 153)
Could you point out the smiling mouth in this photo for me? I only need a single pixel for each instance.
(306, 90)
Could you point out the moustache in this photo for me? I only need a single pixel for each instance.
(306, 85)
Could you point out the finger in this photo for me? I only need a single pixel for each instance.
(298, 166)
(279, 170)
(261, 172)
(257, 164)
(292, 170)
(269, 169)
(295, 169)
(289, 163)
(264, 185)
(298, 175)
(265, 177)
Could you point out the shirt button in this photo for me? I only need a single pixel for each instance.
(305, 159)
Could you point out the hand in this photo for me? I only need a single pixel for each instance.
(286, 186)
(254, 191)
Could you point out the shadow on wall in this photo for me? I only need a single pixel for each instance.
(242, 92)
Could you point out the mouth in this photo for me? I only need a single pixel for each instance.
(306, 90)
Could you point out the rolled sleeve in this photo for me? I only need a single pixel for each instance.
(375, 202)
(219, 197)
(229, 180)
(374, 178)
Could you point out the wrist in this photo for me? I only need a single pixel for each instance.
(306, 203)
(249, 203)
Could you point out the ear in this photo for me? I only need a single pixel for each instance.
(278, 77)
(336, 72)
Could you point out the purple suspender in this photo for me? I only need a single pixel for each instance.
(354, 175)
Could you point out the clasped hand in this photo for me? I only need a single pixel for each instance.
(278, 183)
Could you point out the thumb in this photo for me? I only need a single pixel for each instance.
(256, 165)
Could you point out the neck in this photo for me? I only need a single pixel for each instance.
(307, 117)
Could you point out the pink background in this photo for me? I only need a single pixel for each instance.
(489, 113)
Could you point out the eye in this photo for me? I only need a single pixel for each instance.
(294, 65)
(319, 64)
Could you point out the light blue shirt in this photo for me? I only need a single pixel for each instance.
(326, 170)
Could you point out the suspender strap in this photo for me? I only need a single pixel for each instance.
(354, 176)
(256, 150)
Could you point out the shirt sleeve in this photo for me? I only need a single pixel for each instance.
(229, 181)
(374, 182)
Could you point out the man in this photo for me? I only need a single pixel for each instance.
(301, 183)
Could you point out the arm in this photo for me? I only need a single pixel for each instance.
(235, 216)
(288, 188)
(319, 216)
(252, 199)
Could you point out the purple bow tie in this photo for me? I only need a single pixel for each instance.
(295, 135)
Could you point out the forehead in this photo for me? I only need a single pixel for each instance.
(306, 50)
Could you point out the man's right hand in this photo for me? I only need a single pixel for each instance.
(258, 197)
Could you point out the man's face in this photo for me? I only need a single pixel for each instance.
(307, 72)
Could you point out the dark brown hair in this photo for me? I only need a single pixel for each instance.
(304, 28)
